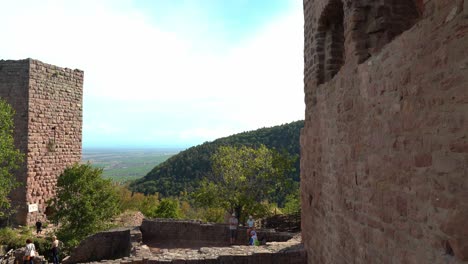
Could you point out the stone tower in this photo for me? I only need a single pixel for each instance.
(384, 150)
(48, 128)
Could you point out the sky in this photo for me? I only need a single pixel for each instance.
(168, 73)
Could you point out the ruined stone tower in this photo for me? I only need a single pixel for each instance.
(384, 150)
(48, 122)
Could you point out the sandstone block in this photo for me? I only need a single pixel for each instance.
(460, 146)
(423, 160)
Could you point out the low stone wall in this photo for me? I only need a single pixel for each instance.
(124, 245)
(112, 244)
(161, 230)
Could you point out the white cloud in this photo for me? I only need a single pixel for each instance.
(136, 68)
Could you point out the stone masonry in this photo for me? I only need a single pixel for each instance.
(125, 245)
(384, 150)
(48, 128)
(177, 232)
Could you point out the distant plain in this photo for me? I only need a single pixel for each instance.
(121, 165)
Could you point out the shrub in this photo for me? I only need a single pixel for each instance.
(16, 238)
(85, 203)
(168, 208)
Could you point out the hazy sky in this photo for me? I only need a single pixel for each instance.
(168, 73)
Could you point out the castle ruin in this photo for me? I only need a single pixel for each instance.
(48, 128)
(384, 150)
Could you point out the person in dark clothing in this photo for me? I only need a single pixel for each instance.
(38, 227)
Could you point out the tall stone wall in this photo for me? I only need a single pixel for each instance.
(48, 102)
(384, 150)
(55, 128)
(14, 83)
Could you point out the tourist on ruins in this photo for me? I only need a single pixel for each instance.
(38, 227)
(55, 250)
(253, 238)
(250, 224)
(233, 223)
(29, 253)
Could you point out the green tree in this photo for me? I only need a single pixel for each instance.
(168, 208)
(128, 200)
(84, 204)
(244, 178)
(184, 171)
(10, 157)
(293, 203)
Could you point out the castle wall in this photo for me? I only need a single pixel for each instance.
(48, 102)
(106, 246)
(189, 231)
(55, 129)
(384, 150)
(14, 82)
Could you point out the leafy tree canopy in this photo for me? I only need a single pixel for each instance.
(243, 178)
(10, 157)
(185, 171)
(84, 204)
(168, 208)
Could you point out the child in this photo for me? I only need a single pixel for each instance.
(253, 238)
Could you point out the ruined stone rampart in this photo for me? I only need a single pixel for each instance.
(111, 244)
(384, 150)
(180, 231)
(123, 245)
(48, 127)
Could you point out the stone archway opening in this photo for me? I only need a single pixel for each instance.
(330, 42)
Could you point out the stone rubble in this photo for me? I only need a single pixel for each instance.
(143, 252)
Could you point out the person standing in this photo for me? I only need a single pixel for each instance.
(55, 250)
(30, 252)
(233, 223)
(250, 224)
(38, 227)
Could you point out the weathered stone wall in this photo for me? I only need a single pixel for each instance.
(180, 231)
(384, 150)
(48, 102)
(125, 243)
(112, 244)
(55, 128)
(14, 83)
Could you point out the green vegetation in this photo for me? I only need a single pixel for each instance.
(251, 173)
(10, 158)
(184, 172)
(244, 179)
(130, 201)
(85, 203)
(168, 208)
(14, 239)
(293, 202)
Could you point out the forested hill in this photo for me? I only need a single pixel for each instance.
(183, 171)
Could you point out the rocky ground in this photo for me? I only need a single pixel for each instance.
(145, 252)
